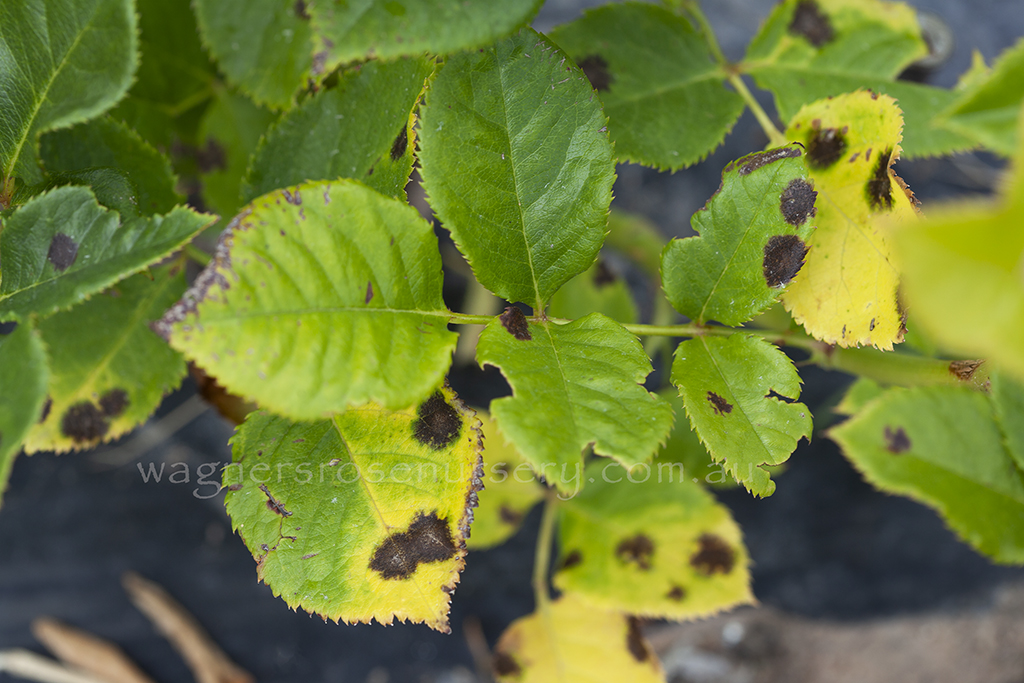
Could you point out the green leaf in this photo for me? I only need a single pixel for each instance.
(106, 143)
(61, 247)
(963, 263)
(360, 29)
(665, 97)
(988, 111)
(108, 370)
(1008, 401)
(574, 642)
(573, 385)
(230, 131)
(265, 47)
(808, 50)
(942, 446)
(518, 166)
(510, 491)
(323, 296)
(740, 393)
(751, 243)
(858, 395)
(363, 516)
(650, 542)
(60, 63)
(361, 129)
(684, 448)
(23, 378)
(175, 79)
(597, 290)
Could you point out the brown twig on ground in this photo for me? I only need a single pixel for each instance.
(84, 651)
(208, 662)
(33, 667)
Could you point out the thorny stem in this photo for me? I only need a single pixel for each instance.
(542, 557)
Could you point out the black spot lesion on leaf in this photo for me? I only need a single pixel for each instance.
(437, 423)
(400, 144)
(572, 559)
(428, 539)
(783, 259)
(300, 10)
(62, 252)
(505, 665)
(515, 323)
(826, 146)
(638, 550)
(510, 516)
(676, 593)
(635, 642)
(719, 404)
(752, 162)
(896, 440)
(114, 402)
(595, 68)
(797, 202)
(47, 407)
(879, 186)
(84, 422)
(811, 23)
(713, 556)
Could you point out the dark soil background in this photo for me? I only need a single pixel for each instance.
(825, 545)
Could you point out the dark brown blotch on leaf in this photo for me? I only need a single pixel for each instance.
(63, 252)
(510, 516)
(437, 423)
(639, 550)
(400, 144)
(273, 504)
(755, 161)
(896, 440)
(595, 68)
(811, 23)
(300, 10)
(574, 558)
(114, 402)
(369, 293)
(294, 199)
(963, 370)
(783, 259)
(47, 406)
(515, 322)
(713, 555)
(825, 148)
(428, 539)
(84, 422)
(720, 405)
(635, 640)
(603, 275)
(505, 664)
(797, 202)
(879, 187)
(676, 594)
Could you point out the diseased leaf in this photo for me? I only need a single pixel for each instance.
(363, 516)
(597, 290)
(665, 98)
(963, 263)
(518, 166)
(650, 542)
(685, 448)
(987, 112)
(23, 378)
(60, 63)
(572, 386)
(510, 491)
(942, 446)
(106, 143)
(61, 247)
(751, 243)
(360, 129)
(847, 291)
(320, 297)
(108, 370)
(349, 30)
(740, 394)
(573, 642)
(265, 47)
(808, 50)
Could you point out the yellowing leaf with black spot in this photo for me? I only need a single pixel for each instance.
(572, 386)
(847, 291)
(321, 296)
(108, 370)
(751, 242)
(363, 516)
(574, 642)
(740, 394)
(651, 542)
(510, 491)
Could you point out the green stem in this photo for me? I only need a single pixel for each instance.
(542, 557)
(198, 255)
(775, 138)
(467, 319)
(900, 369)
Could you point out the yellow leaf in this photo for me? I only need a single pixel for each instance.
(846, 293)
(572, 642)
